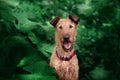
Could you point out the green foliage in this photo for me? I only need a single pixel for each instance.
(99, 74)
(27, 38)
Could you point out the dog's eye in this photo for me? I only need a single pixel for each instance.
(60, 27)
(70, 26)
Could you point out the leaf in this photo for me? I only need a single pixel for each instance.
(39, 67)
(12, 3)
(89, 7)
(99, 74)
(35, 77)
(28, 60)
(33, 38)
(46, 49)
(117, 15)
(24, 12)
(107, 24)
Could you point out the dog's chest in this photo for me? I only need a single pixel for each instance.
(66, 70)
(67, 67)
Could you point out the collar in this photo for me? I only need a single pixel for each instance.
(65, 58)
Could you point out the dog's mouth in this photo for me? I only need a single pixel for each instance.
(67, 45)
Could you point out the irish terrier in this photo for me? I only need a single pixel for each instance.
(63, 58)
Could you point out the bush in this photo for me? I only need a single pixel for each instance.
(27, 38)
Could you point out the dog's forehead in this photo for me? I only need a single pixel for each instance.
(65, 22)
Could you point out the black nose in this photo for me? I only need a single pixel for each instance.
(66, 37)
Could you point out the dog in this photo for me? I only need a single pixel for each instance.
(63, 58)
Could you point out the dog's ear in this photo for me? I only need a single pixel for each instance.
(75, 19)
(54, 21)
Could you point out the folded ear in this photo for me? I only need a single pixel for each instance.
(75, 19)
(54, 21)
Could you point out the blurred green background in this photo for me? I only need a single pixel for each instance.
(27, 38)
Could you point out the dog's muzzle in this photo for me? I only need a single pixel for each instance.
(67, 45)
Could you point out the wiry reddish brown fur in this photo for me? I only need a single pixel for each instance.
(65, 70)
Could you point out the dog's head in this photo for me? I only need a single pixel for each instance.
(65, 31)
